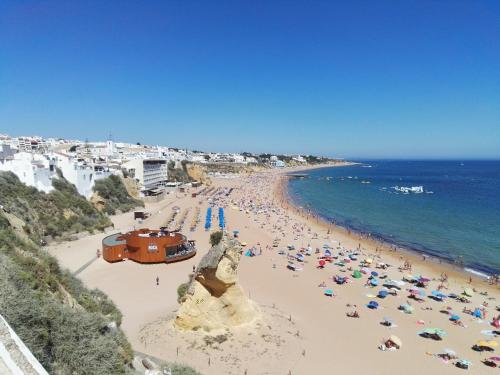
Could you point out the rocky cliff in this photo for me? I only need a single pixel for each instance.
(214, 299)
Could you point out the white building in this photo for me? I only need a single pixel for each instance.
(32, 169)
(276, 163)
(299, 159)
(31, 144)
(80, 173)
(152, 174)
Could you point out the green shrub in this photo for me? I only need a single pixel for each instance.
(181, 291)
(215, 238)
(116, 196)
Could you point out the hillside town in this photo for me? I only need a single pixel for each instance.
(37, 160)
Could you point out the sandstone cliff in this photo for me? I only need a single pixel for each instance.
(214, 299)
(198, 173)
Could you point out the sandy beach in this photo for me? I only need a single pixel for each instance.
(301, 330)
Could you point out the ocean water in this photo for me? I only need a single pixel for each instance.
(456, 218)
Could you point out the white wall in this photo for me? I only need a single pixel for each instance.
(31, 169)
(82, 176)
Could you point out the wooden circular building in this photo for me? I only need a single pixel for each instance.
(147, 246)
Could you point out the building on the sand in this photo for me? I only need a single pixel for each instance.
(148, 246)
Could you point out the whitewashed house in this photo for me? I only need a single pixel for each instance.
(32, 169)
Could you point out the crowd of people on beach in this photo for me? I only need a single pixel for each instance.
(312, 249)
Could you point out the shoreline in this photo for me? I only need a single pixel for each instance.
(380, 243)
(295, 312)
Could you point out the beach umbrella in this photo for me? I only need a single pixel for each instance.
(454, 318)
(382, 294)
(374, 282)
(369, 260)
(468, 292)
(356, 274)
(433, 331)
(322, 263)
(450, 352)
(408, 309)
(438, 294)
(463, 363)
(396, 341)
(372, 305)
(374, 273)
(494, 359)
(328, 292)
(487, 344)
(477, 313)
(328, 253)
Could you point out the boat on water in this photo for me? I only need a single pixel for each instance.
(408, 190)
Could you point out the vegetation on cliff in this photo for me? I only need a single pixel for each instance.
(70, 329)
(62, 211)
(115, 195)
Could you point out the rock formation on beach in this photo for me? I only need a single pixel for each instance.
(214, 299)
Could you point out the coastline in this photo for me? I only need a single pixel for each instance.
(295, 312)
(376, 243)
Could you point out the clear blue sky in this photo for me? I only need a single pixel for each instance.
(352, 78)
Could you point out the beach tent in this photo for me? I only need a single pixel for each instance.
(477, 313)
(374, 282)
(328, 253)
(454, 318)
(328, 292)
(299, 257)
(356, 274)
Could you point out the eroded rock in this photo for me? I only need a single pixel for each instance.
(215, 300)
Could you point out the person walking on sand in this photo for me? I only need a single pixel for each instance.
(157, 281)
